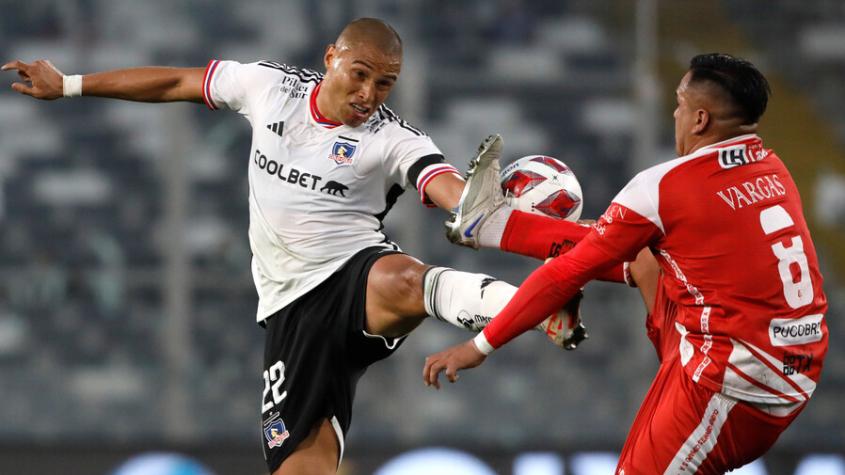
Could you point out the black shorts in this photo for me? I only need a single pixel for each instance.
(315, 351)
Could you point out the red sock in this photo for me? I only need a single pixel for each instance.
(542, 237)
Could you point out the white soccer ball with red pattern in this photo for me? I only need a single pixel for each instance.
(542, 185)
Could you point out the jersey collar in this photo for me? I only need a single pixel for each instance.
(315, 112)
(746, 139)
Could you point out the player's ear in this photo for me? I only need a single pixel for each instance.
(331, 51)
(702, 120)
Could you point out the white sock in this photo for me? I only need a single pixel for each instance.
(491, 231)
(465, 300)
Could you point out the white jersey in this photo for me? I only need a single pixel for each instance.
(318, 190)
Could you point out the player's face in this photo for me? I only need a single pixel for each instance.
(358, 80)
(685, 115)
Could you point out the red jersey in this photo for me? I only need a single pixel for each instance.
(727, 227)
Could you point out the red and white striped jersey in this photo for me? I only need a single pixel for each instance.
(727, 227)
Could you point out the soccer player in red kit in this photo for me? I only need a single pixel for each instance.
(738, 316)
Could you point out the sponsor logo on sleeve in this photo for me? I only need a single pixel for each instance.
(614, 211)
(795, 331)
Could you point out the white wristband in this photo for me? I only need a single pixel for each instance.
(482, 344)
(72, 85)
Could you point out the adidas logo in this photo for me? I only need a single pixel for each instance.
(277, 127)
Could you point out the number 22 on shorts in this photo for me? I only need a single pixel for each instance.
(273, 379)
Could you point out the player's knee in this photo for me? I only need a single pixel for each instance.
(408, 287)
(398, 285)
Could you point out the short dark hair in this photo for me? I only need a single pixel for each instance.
(377, 29)
(744, 83)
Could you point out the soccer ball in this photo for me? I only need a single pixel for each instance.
(542, 185)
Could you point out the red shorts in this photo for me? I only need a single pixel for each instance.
(684, 428)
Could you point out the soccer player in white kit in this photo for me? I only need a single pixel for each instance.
(327, 161)
(737, 315)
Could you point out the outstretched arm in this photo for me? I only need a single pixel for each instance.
(619, 236)
(548, 288)
(445, 190)
(42, 80)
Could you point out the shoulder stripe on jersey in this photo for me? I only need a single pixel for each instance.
(290, 69)
(420, 164)
(386, 114)
(206, 83)
(410, 128)
(305, 75)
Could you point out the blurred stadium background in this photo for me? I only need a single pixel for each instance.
(126, 303)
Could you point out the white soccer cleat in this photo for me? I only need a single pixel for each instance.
(565, 327)
(482, 194)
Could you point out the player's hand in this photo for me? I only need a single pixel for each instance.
(459, 357)
(40, 79)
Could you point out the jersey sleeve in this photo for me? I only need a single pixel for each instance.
(543, 237)
(622, 233)
(413, 159)
(236, 86)
(632, 221)
(547, 290)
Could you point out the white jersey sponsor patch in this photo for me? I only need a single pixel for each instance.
(795, 331)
